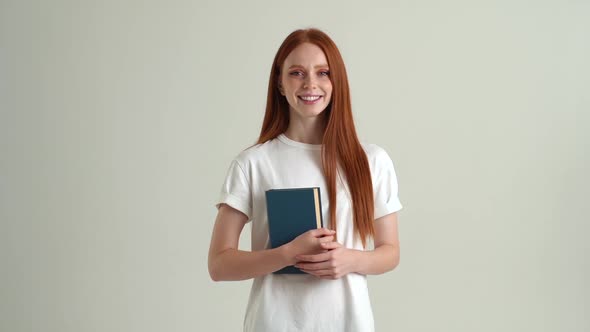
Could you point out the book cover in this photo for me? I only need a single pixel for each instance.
(292, 212)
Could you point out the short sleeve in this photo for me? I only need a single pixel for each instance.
(236, 191)
(385, 186)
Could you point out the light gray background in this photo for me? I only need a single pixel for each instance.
(119, 120)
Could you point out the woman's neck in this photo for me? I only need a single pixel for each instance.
(310, 131)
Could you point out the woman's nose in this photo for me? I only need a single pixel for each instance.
(309, 82)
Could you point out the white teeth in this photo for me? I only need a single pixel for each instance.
(310, 98)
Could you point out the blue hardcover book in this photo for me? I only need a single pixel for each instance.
(292, 212)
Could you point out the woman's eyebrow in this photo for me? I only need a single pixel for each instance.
(318, 66)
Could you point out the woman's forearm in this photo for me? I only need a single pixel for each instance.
(233, 264)
(380, 260)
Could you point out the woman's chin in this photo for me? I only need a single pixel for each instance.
(309, 113)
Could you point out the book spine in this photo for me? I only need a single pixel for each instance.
(318, 212)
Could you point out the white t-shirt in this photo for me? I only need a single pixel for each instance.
(290, 302)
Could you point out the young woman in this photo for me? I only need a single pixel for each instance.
(308, 139)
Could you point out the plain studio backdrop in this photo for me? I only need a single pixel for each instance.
(119, 120)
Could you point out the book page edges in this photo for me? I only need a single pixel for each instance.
(317, 208)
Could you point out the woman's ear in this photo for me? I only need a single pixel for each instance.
(281, 90)
(279, 84)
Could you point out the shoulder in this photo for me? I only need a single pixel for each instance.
(255, 153)
(376, 155)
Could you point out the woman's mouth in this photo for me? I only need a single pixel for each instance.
(310, 100)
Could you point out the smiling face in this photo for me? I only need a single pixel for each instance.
(305, 81)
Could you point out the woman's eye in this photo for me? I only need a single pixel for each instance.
(324, 73)
(296, 73)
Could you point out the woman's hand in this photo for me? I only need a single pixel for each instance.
(335, 263)
(309, 242)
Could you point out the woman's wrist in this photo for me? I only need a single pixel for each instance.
(287, 255)
(360, 260)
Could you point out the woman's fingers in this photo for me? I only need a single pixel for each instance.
(314, 258)
(313, 266)
(322, 232)
(326, 239)
(330, 245)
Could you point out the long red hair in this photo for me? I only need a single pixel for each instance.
(340, 144)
